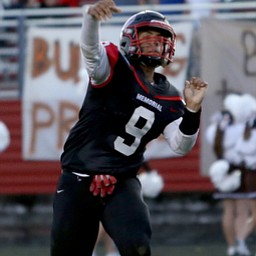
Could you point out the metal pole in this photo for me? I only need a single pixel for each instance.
(21, 29)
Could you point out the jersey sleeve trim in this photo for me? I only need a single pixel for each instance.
(113, 54)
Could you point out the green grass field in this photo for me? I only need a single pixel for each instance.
(213, 250)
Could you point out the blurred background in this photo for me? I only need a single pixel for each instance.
(43, 83)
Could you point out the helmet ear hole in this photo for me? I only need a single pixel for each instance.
(124, 45)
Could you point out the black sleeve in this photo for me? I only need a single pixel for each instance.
(190, 122)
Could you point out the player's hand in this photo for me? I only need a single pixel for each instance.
(103, 9)
(194, 92)
(103, 185)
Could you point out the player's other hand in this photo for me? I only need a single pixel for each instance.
(103, 185)
(194, 92)
(103, 9)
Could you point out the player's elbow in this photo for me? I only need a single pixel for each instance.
(184, 148)
(182, 144)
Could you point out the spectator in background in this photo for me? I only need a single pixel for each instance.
(12, 4)
(141, 2)
(69, 3)
(246, 151)
(1, 9)
(127, 2)
(171, 1)
(84, 2)
(228, 177)
(1, 6)
(31, 4)
(17, 4)
(50, 4)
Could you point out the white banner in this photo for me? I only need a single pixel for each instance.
(55, 86)
(53, 91)
(228, 65)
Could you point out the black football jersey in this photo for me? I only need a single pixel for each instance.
(118, 118)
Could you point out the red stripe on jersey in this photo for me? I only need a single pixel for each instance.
(172, 98)
(112, 53)
(139, 81)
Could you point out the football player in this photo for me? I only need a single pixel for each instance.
(127, 105)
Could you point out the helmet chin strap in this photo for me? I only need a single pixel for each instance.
(150, 62)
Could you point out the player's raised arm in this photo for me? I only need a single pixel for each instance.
(182, 134)
(93, 53)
